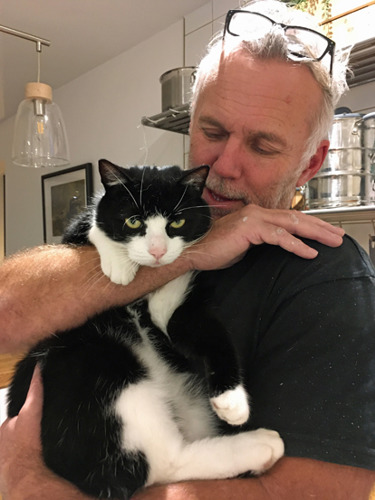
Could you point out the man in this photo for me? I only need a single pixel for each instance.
(304, 328)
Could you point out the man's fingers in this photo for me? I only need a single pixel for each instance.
(31, 413)
(281, 237)
(33, 403)
(313, 228)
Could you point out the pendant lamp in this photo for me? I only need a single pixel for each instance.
(39, 132)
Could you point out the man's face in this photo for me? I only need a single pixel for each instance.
(251, 125)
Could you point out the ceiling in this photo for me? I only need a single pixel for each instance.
(83, 35)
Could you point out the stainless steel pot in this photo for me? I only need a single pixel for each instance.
(332, 191)
(346, 131)
(347, 175)
(176, 87)
(348, 160)
(369, 130)
(353, 130)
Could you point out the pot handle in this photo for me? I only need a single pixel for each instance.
(356, 126)
(192, 77)
(361, 121)
(368, 116)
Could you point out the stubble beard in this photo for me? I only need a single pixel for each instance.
(278, 196)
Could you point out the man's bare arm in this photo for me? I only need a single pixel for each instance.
(51, 288)
(289, 479)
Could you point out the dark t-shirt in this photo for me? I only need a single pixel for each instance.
(305, 335)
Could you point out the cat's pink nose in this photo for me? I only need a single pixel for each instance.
(158, 252)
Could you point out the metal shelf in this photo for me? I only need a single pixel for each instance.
(362, 63)
(174, 120)
(345, 214)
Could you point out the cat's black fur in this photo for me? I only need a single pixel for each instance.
(85, 436)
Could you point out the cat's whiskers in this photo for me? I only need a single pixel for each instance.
(197, 206)
(94, 279)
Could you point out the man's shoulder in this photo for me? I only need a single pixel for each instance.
(268, 266)
(278, 268)
(349, 259)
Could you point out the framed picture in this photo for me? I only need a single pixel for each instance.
(64, 194)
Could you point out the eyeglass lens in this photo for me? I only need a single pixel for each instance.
(301, 42)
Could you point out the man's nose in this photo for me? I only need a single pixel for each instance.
(229, 161)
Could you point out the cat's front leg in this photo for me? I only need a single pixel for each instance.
(114, 259)
(232, 405)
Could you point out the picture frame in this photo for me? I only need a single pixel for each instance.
(64, 194)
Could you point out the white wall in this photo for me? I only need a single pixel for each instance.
(102, 112)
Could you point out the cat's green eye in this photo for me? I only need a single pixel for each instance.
(133, 223)
(176, 224)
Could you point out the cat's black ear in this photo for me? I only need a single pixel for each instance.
(196, 177)
(110, 173)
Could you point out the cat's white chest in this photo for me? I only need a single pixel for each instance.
(163, 302)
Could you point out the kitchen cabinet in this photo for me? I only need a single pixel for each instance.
(358, 222)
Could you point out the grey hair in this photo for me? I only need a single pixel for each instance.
(274, 45)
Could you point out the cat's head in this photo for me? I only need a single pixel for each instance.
(154, 212)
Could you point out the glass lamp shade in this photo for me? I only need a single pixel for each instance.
(39, 133)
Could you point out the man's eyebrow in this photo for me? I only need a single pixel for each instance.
(251, 136)
(267, 136)
(208, 120)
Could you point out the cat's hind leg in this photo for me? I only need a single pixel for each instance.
(228, 456)
(150, 428)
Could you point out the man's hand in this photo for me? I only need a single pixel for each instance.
(22, 470)
(232, 235)
(20, 441)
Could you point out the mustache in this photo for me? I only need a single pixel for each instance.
(221, 188)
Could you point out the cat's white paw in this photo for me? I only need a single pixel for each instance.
(114, 259)
(263, 447)
(232, 406)
(119, 271)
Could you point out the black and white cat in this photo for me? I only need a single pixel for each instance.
(133, 396)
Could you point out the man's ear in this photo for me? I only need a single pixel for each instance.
(315, 163)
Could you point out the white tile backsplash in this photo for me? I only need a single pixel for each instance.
(196, 43)
(218, 25)
(221, 7)
(198, 18)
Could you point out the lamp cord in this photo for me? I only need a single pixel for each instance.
(39, 51)
(38, 77)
